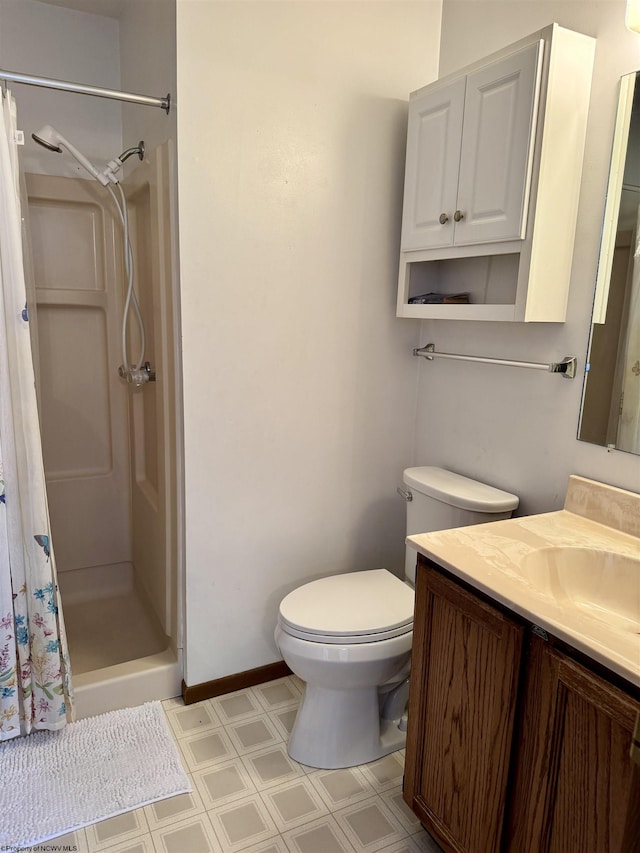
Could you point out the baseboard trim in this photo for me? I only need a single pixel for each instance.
(238, 681)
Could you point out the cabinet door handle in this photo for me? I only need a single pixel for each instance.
(458, 215)
(443, 218)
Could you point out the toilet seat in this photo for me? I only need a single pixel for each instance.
(357, 607)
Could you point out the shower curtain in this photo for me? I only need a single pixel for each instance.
(35, 676)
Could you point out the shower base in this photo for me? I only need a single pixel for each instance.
(128, 684)
(119, 654)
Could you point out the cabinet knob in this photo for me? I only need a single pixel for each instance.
(443, 218)
(458, 215)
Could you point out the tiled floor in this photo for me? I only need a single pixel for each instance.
(249, 796)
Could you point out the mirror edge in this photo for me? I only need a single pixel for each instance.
(614, 193)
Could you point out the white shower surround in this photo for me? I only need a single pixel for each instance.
(88, 48)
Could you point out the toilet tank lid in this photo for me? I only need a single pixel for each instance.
(459, 491)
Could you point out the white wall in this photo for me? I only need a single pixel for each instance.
(148, 67)
(49, 41)
(299, 383)
(517, 428)
(136, 53)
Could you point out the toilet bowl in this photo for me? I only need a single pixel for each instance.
(349, 636)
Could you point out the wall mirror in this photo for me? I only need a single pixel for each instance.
(611, 398)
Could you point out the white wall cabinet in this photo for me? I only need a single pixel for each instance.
(469, 147)
(492, 180)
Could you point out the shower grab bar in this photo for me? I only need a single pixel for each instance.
(114, 94)
(566, 368)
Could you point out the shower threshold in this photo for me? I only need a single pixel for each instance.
(128, 684)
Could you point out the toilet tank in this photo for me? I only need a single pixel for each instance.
(442, 499)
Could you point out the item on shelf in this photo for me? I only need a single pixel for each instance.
(439, 299)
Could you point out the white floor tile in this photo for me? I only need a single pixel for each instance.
(424, 843)
(116, 830)
(250, 796)
(400, 810)
(205, 750)
(271, 845)
(242, 823)
(385, 773)
(320, 836)
(192, 719)
(195, 835)
(174, 702)
(254, 734)
(272, 766)
(294, 804)
(76, 841)
(223, 783)
(283, 719)
(232, 707)
(281, 693)
(140, 844)
(341, 788)
(421, 843)
(370, 825)
(174, 809)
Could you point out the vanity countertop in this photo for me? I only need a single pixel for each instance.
(591, 601)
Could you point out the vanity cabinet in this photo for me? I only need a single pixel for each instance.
(574, 787)
(462, 704)
(492, 180)
(512, 744)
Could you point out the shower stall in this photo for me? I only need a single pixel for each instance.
(110, 445)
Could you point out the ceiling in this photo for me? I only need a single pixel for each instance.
(108, 8)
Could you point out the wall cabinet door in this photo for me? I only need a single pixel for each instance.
(497, 149)
(575, 787)
(469, 153)
(464, 680)
(434, 137)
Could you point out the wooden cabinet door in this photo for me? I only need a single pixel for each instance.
(433, 158)
(463, 687)
(574, 785)
(500, 110)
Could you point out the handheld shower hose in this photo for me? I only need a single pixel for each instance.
(52, 140)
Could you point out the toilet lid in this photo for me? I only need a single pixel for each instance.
(354, 607)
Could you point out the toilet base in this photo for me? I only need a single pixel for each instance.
(342, 728)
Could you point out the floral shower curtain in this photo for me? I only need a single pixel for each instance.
(35, 676)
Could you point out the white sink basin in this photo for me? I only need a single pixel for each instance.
(574, 572)
(601, 584)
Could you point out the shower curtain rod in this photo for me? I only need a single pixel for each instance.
(114, 94)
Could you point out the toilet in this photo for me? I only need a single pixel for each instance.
(349, 636)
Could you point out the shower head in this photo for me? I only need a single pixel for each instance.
(40, 139)
(50, 139)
